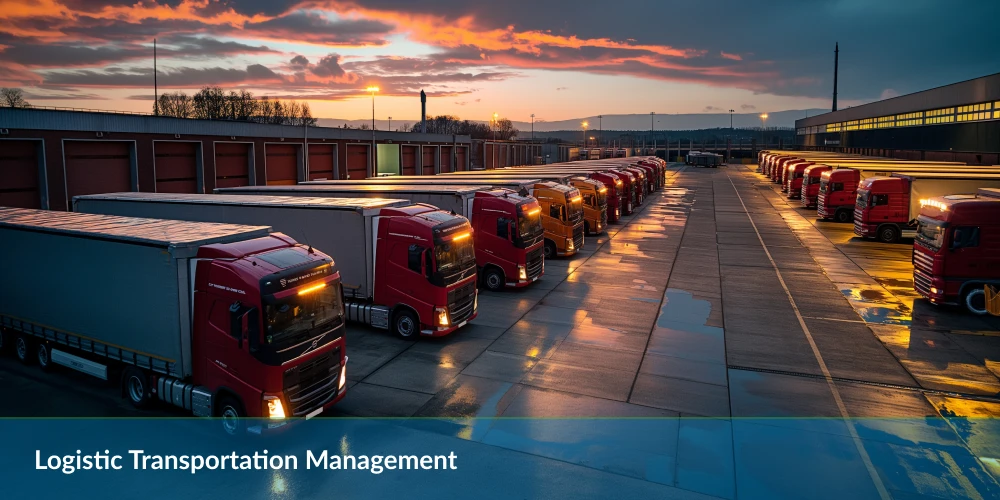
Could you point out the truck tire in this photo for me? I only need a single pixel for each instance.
(136, 387)
(43, 356)
(22, 349)
(493, 279)
(974, 300)
(550, 250)
(888, 234)
(231, 415)
(843, 215)
(405, 324)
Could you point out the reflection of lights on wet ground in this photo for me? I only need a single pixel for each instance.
(345, 446)
(278, 485)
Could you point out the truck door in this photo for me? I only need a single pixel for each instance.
(966, 259)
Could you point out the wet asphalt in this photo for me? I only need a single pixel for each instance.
(719, 298)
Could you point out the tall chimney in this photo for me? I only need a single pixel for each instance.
(836, 64)
(423, 112)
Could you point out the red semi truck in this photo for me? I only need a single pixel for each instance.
(957, 249)
(794, 173)
(408, 268)
(887, 207)
(507, 227)
(222, 320)
(810, 184)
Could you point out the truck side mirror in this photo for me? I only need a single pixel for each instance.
(511, 228)
(237, 322)
(427, 264)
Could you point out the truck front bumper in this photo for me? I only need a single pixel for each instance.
(441, 331)
(270, 427)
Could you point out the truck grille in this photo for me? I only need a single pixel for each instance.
(578, 237)
(921, 283)
(461, 302)
(604, 217)
(312, 384)
(534, 263)
(820, 204)
(923, 261)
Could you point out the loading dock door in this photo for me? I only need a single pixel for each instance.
(19, 174)
(461, 158)
(232, 164)
(94, 167)
(321, 162)
(409, 160)
(428, 160)
(176, 165)
(357, 161)
(281, 164)
(445, 159)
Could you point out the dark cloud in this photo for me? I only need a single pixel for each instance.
(328, 66)
(314, 28)
(300, 61)
(166, 78)
(748, 107)
(33, 53)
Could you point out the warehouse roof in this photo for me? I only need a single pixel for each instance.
(360, 204)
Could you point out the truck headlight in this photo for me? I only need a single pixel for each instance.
(275, 410)
(441, 314)
(522, 273)
(343, 376)
(569, 244)
(935, 291)
(475, 302)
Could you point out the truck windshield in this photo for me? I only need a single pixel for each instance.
(862, 198)
(930, 233)
(529, 223)
(798, 174)
(824, 185)
(454, 258)
(293, 321)
(575, 206)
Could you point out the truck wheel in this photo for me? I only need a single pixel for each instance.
(232, 416)
(135, 387)
(22, 349)
(493, 279)
(843, 216)
(44, 356)
(550, 250)
(405, 324)
(888, 234)
(975, 300)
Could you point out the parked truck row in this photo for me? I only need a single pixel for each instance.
(234, 304)
(948, 208)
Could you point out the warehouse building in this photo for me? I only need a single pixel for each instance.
(49, 156)
(959, 122)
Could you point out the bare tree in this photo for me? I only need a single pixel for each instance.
(210, 103)
(306, 117)
(13, 98)
(292, 111)
(177, 105)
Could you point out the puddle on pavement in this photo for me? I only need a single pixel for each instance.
(681, 311)
(875, 305)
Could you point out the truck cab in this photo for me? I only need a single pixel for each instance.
(809, 190)
(509, 238)
(431, 256)
(880, 204)
(793, 178)
(562, 218)
(615, 194)
(956, 251)
(268, 328)
(837, 194)
(595, 204)
(628, 190)
(639, 177)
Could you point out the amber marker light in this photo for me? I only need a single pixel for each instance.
(312, 289)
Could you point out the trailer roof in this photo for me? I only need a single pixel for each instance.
(356, 204)
(153, 232)
(395, 188)
(993, 175)
(443, 180)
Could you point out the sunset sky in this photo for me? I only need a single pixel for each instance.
(558, 60)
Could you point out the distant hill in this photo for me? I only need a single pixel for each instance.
(690, 121)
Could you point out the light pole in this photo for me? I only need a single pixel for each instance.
(373, 90)
(600, 130)
(763, 125)
(585, 124)
(390, 124)
(731, 121)
(496, 124)
(532, 127)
